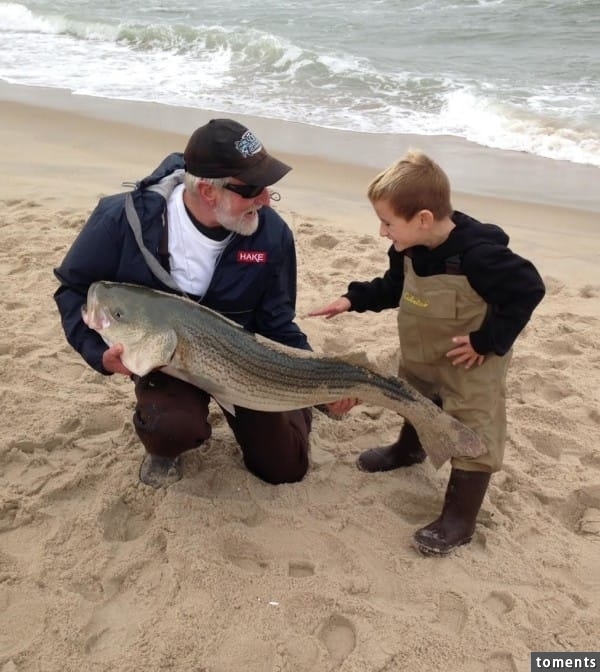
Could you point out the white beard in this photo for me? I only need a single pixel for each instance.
(244, 224)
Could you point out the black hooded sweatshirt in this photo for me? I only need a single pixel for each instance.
(508, 283)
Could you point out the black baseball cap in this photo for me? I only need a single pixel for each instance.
(225, 148)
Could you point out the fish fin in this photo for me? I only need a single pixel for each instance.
(157, 353)
(444, 437)
(280, 347)
(174, 368)
(226, 405)
(358, 358)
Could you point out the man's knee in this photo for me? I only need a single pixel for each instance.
(170, 415)
(288, 469)
(275, 446)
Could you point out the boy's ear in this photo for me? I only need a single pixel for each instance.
(426, 219)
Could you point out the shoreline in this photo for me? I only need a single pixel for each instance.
(473, 169)
(80, 155)
(223, 572)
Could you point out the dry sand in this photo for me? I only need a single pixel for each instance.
(223, 573)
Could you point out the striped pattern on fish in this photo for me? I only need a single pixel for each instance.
(198, 345)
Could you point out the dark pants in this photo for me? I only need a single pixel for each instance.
(171, 416)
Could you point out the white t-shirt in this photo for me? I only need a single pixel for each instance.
(193, 256)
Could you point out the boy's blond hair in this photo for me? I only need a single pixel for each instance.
(413, 183)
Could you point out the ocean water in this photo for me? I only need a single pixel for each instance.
(509, 74)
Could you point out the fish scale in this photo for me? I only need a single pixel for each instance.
(317, 374)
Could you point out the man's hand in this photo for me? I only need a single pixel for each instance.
(111, 360)
(340, 305)
(337, 409)
(464, 354)
(342, 406)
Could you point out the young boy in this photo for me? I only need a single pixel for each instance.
(463, 299)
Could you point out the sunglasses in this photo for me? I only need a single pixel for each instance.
(245, 190)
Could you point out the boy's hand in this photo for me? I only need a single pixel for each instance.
(463, 353)
(340, 305)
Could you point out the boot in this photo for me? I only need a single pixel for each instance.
(158, 472)
(406, 451)
(456, 523)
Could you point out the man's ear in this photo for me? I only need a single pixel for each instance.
(207, 192)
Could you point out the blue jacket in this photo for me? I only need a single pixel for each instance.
(258, 291)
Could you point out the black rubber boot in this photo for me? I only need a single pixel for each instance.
(157, 471)
(405, 452)
(456, 524)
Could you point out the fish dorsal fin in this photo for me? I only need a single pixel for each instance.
(228, 406)
(286, 349)
(357, 358)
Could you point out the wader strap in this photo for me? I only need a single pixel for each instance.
(453, 265)
(153, 263)
(163, 249)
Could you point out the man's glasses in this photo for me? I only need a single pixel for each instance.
(245, 190)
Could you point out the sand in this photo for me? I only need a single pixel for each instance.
(223, 573)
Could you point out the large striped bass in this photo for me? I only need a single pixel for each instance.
(198, 345)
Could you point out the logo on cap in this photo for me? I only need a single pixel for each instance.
(248, 144)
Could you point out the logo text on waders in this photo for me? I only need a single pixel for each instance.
(415, 300)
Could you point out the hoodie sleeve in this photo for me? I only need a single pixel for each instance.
(511, 286)
(93, 256)
(380, 293)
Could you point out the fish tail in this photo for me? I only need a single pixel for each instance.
(444, 437)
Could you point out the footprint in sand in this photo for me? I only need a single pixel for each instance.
(589, 524)
(589, 291)
(299, 654)
(121, 522)
(452, 612)
(102, 421)
(580, 512)
(546, 442)
(343, 263)
(591, 459)
(499, 603)
(244, 554)
(411, 507)
(535, 386)
(113, 625)
(325, 241)
(500, 662)
(339, 638)
(300, 569)
(22, 615)
(132, 595)
(530, 538)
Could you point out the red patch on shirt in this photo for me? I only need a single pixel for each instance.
(251, 257)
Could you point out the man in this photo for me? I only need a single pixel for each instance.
(199, 225)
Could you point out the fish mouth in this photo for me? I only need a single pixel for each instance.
(93, 315)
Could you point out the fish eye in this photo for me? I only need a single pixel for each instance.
(118, 314)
